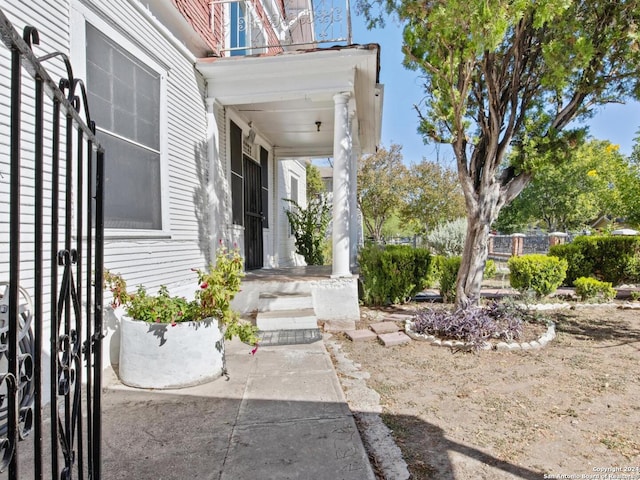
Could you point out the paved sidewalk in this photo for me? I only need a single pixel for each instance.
(281, 415)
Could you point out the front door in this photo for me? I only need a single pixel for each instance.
(252, 214)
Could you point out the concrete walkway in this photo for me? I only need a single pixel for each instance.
(280, 415)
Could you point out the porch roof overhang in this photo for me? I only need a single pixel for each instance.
(284, 96)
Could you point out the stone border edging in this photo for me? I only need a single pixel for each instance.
(541, 342)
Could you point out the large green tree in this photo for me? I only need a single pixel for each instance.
(496, 71)
(433, 195)
(381, 187)
(571, 194)
(315, 185)
(631, 193)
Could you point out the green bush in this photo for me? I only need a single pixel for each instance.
(577, 264)
(435, 267)
(614, 259)
(393, 274)
(490, 269)
(448, 238)
(309, 227)
(421, 268)
(448, 275)
(591, 289)
(541, 273)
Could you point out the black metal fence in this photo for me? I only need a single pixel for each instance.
(51, 306)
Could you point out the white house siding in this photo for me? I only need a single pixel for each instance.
(288, 169)
(51, 20)
(145, 258)
(166, 257)
(46, 16)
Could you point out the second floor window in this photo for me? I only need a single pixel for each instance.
(239, 27)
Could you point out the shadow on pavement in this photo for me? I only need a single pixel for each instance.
(168, 436)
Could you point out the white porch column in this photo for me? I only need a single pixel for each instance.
(213, 206)
(341, 160)
(353, 195)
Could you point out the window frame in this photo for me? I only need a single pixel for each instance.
(80, 16)
(236, 7)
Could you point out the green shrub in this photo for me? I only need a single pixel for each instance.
(435, 267)
(490, 269)
(541, 273)
(591, 289)
(393, 274)
(614, 259)
(309, 227)
(631, 269)
(448, 238)
(448, 275)
(577, 264)
(421, 268)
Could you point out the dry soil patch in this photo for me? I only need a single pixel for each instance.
(571, 408)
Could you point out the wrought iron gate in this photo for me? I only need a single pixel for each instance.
(55, 246)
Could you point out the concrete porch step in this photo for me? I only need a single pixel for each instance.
(287, 319)
(272, 301)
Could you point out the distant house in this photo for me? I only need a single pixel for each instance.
(207, 111)
(326, 173)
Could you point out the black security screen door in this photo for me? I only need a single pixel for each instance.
(252, 214)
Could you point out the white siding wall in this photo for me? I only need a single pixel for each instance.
(220, 193)
(149, 259)
(45, 17)
(288, 169)
(165, 258)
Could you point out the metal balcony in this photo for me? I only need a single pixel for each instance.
(254, 27)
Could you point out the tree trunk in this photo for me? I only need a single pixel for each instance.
(474, 257)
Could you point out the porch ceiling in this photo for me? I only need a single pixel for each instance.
(283, 96)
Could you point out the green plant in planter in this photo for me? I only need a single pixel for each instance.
(216, 288)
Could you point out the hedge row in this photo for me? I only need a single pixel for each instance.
(614, 259)
(393, 274)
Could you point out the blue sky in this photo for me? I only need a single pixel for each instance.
(402, 89)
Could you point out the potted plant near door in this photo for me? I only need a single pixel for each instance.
(171, 342)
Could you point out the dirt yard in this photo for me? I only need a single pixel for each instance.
(570, 410)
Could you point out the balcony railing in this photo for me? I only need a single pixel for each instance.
(259, 26)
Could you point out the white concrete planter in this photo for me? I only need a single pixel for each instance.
(158, 355)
